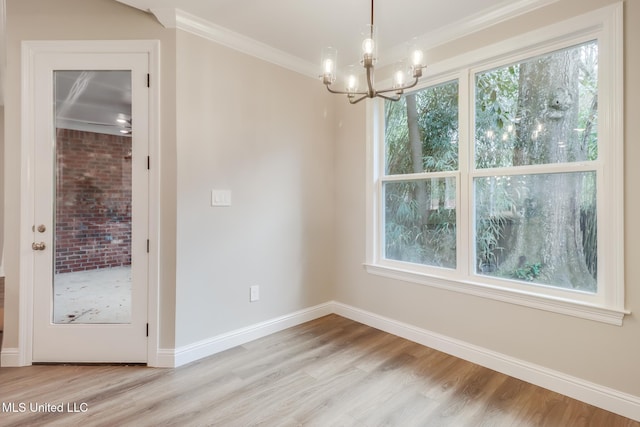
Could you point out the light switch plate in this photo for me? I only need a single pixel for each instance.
(220, 198)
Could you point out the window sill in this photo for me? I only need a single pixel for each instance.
(542, 302)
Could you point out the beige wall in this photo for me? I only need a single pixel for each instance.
(81, 20)
(604, 354)
(1, 194)
(266, 134)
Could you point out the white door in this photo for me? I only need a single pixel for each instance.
(91, 182)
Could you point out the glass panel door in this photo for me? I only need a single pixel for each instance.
(93, 197)
(90, 202)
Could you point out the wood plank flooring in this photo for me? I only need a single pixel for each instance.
(328, 372)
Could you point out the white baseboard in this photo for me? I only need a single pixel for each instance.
(10, 358)
(165, 358)
(213, 345)
(603, 397)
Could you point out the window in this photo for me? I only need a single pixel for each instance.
(536, 131)
(419, 185)
(502, 177)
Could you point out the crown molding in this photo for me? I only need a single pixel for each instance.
(179, 19)
(469, 25)
(485, 19)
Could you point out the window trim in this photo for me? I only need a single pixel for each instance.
(607, 305)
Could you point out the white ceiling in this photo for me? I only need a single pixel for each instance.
(293, 32)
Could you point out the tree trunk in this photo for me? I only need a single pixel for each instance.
(415, 141)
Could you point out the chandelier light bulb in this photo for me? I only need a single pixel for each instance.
(398, 78)
(328, 66)
(416, 58)
(329, 63)
(352, 83)
(368, 46)
(399, 75)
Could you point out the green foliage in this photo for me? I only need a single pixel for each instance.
(494, 206)
(418, 235)
(589, 228)
(528, 272)
(438, 122)
(496, 116)
(397, 149)
(489, 231)
(588, 110)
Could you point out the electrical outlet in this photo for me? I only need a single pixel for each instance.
(254, 293)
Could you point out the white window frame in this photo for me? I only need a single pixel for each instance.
(607, 304)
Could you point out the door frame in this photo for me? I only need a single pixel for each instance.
(31, 50)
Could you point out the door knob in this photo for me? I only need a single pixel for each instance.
(38, 246)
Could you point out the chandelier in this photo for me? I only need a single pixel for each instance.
(369, 58)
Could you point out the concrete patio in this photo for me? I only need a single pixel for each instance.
(94, 296)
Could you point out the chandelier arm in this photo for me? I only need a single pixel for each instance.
(401, 88)
(342, 92)
(390, 98)
(355, 101)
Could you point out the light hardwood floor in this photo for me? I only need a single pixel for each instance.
(328, 372)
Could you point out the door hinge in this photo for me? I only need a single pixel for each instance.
(147, 329)
(148, 80)
(147, 245)
(148, 162)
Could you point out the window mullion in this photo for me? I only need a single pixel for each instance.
(465, 252)
(419, 176)
(539, 169)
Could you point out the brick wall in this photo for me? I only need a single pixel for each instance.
(93, 201)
